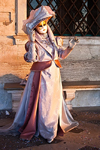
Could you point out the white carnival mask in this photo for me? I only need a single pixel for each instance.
(42, 27)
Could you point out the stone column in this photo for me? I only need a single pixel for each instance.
(21, 14)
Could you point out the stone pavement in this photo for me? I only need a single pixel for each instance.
(85, 137)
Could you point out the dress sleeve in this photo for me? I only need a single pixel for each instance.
(31, 55)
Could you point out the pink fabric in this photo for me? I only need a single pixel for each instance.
(27, 46)
(40, 66)
(29, 127)
(49, 10)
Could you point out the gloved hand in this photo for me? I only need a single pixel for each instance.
(72, 43)
(31, 33)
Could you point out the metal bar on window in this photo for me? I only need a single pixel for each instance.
(73, 17)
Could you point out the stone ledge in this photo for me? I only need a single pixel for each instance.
(69, 89)
(13, 86)
(93, 40)
(81, 85)
(22, 39)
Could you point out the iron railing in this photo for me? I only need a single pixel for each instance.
(73, 17)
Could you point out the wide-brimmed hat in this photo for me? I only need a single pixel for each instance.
(36, 16)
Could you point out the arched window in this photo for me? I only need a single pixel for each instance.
(73, 17)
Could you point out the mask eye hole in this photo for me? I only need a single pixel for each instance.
(44, 24)
(40, 26)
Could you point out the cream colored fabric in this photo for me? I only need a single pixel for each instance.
(52, 107)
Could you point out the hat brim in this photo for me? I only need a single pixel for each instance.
(33, 25)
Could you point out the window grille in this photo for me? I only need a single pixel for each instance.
(73, 17)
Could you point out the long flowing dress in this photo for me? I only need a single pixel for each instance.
(42, 106)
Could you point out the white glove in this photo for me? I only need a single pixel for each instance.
(31, 33)
(72, 43)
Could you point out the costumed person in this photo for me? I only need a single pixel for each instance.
(42, 110)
